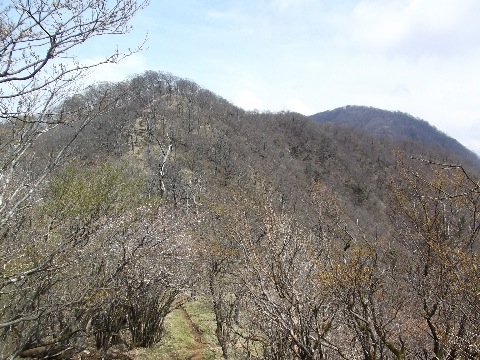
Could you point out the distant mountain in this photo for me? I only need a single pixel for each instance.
(394, 124)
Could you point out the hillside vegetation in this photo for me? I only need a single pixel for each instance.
(395, 125)
(177, 225)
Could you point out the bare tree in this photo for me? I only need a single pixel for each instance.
(92, 260)
(291, 316)
(38, 70)
(441, 232)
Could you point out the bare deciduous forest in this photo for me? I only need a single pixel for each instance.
(126, 203)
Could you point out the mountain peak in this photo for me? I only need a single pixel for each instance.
(397, 125)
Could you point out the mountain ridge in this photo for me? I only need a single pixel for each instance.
(395, 125)
(171, 190)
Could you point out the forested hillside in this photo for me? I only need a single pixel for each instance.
(396, 125)
(305, 239)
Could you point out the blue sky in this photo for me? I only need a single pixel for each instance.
(417, 56)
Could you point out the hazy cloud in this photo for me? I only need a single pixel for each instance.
(297, 105)
(417, 27)
(284, 5)
(134, 64)
(249, 100)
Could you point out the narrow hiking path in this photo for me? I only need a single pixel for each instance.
(187, 336)
(199, 347)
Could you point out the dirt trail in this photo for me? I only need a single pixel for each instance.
(198, 349)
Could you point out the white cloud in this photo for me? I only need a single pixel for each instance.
(134, 64)
(378, 23)
(464, 126)
(297, 105)
(284, 5)
(249, 100)
(416, 27)
(472, 143)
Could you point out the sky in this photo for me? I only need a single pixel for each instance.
(421, 57)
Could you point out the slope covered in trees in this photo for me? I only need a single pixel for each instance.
(396, 125)
(309, 240)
